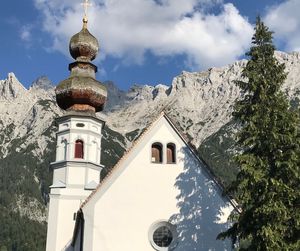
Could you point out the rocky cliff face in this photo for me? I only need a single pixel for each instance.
(200, 103)
(11, 88)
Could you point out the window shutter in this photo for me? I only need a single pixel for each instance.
(156, 154)
(169, 155)
(79, 149)
(171, 158)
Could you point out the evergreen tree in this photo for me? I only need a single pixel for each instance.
(267, 185)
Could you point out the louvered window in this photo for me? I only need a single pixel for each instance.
(79, 149)
(171, 153)
(156, 153)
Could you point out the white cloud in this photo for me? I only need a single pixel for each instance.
(25, 33)
(284, 20)
(128, 29)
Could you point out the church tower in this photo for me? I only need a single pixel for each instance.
(77, 168)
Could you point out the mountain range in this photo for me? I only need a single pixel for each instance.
(200, 104)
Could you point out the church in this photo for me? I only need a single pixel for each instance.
(159, 196)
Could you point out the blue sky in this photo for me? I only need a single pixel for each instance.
(142, 41)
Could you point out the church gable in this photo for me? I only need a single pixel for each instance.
(159, 183)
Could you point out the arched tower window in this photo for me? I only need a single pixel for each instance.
(171, 153)
(156, 153)
(79, 149)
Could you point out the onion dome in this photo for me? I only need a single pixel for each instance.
(83, 45)
(81, 91)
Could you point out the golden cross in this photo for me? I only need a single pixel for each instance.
(86, 4)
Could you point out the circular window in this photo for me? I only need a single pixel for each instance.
(162, 236)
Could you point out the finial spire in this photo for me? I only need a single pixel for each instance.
(86, 4)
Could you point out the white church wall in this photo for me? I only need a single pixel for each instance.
(120, 214)
(202, 212)
(76, 175)
(92, 175)
(94, 150)
(59, 176)
(61, 211)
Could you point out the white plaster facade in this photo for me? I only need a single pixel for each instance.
(73, 178)
(86, 128)
(121, 213)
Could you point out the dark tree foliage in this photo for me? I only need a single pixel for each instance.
(217, 151)
(267, 185)
(19, 233)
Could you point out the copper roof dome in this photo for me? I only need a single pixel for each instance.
(83, 45)
(81, 91)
